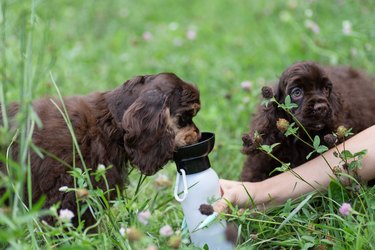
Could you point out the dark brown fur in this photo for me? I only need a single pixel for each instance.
(142, 122)
(333, 96)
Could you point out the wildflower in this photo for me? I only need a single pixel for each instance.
(101, 168)
(246, 85)
(330, 139)
(122, 231)
(174, 242)
(267, 92)
(346, 27)
(152, 247)
(285, 16)
(166, 231)
(66, 215)
(314, 27)
(63, 189)
(82, 193)
(309, 12)
(258, 140)
(191, 34)
(282, 125)
(162, 181)
(147, 36)
(173, 26)
(345, 209)
(336, 170)
(144, 216)
(133, 234)
(253, 236)
(340, 132)
(240, 212)
(206, 209)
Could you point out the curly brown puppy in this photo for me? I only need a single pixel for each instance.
(142, 122)
(327, 97)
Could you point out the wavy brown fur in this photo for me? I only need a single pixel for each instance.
(141, 122)
(350, 102)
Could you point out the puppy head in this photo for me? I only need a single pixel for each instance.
(310, 88)
(159, 120)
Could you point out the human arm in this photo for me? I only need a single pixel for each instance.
(314, 174)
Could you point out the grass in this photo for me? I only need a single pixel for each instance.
(96, 45)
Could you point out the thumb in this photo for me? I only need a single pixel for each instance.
(222, 204)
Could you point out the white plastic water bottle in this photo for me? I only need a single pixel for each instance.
(196, 184)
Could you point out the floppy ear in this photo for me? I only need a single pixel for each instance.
(148, 138)
(264, 124)
(123, 96)
(336, 103)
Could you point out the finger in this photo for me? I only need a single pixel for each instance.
(226, 184)
(222, 204)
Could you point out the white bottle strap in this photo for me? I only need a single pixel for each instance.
(184, 182)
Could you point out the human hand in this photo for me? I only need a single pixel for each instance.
(235, 192)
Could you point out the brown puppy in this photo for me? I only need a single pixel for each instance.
(142, 122)
(327, 97)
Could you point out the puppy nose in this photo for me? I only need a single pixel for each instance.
(321, 109)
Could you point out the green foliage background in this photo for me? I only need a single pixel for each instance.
(97, 45)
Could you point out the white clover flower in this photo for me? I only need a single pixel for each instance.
(285, 16)
(346, 27)
(314, 27)
(101, 167)
(144, 216)
(63, 189)
(173, 26)
(246, 85)
(166, 231)
(162, 181)
(191, 34)
(345, 209)
(147, 36)
(122, 231)
(66, 215)
(309, 12)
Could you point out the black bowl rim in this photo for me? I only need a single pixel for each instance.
(211, 136)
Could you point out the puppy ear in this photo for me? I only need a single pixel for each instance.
(148, 138)
(336, 103)
(263, 126)
(278, 93)
(263, 129)
(123, 96)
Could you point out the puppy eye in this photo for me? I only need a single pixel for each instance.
(326, 91)
(184, 120)
(296, 93)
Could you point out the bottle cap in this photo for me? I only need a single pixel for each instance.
(194, 158)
